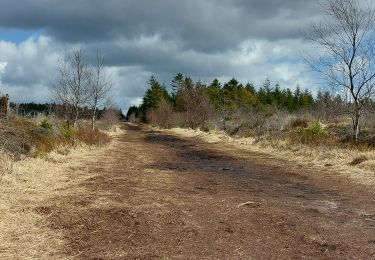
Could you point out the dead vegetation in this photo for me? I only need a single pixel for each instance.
(36, 156)
(24, 137)
(29, 178)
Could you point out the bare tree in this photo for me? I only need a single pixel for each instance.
(99, 87)
(72, 88)
(195, 104)
(59, 91)
(347, 39)
(111, 116)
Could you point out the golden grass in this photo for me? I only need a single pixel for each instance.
(27, 185)
(23, 233)
(332, 161)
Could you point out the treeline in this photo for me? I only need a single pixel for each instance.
(200, 102)
(32, 109)
(52, 109)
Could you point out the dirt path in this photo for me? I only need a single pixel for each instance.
(156, 196)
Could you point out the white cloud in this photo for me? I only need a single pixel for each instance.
(29, 68)
(2, 67)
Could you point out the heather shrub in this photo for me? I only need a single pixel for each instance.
(299, 123)
(91, 137)
(20, 136)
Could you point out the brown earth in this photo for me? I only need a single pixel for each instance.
(158, 196)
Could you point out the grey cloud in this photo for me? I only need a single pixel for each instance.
(202, 39)
(206, 26)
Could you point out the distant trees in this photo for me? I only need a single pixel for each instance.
(234, 96)
(193, 104)
(347, 38)
(80, 85)
(132, 114)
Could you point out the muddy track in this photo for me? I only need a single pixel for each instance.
(157, 196)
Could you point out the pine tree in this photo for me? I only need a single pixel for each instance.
(214, 92)
(154, 96)
(177, 84)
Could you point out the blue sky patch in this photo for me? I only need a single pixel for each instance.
(17, 36)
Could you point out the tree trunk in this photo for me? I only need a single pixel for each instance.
(357, 130)
(76, 112)
(66, 116)
(93, 119)
(356, 122)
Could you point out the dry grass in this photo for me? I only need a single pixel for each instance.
(26, 186)
(6, 163)
(324, 158)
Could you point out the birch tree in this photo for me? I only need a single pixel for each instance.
(346, 37)
(99, 87)
(72, 90)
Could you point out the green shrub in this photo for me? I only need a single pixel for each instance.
(315, 134)
(67, 131)
(46, 124)
(314, 130)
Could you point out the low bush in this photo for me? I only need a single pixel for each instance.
(20, 136)
(42, 141)
(315, 135)
(164, 116)
(92, 137)
(314, 130)
(110, 118)
(67, 131)
(46, 124)
(299, 123)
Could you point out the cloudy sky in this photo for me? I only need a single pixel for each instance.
(250, 40)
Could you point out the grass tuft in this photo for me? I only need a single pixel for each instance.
(358, 160)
